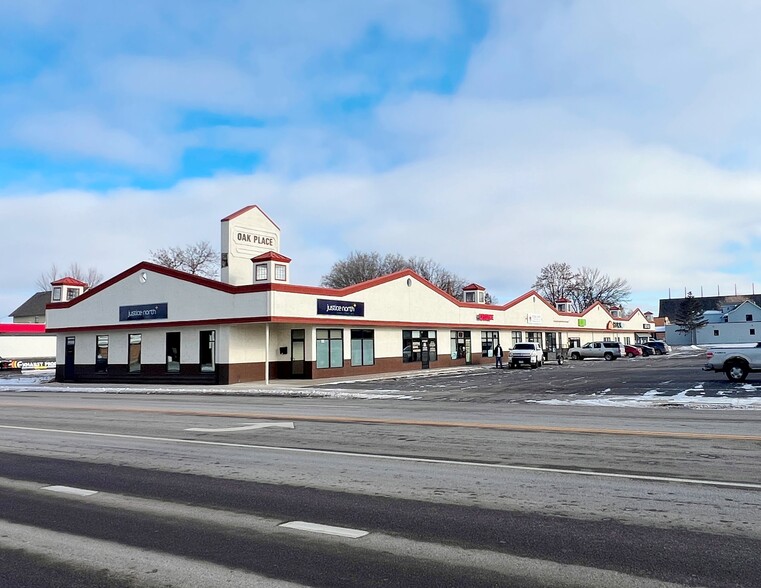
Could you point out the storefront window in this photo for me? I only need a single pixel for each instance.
(101, 354)
(207, 351)
(489, 340)
(362, 347)
(550, 341)
(330, 348)
(173, 352)
(517, 337)
(135, 343)
(460, 344)
(534, 337)
(412, 345)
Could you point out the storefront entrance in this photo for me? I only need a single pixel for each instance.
(68, 366)
(297, 353)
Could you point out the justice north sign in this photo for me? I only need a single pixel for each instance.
(340, 307)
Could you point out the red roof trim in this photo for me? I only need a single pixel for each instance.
(473, 286)
(246, 209)
(300, 320)
(21, 328)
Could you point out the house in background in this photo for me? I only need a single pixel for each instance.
(734, 323)
(33, 310)
(26, 340)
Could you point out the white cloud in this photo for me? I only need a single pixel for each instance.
(621, 137)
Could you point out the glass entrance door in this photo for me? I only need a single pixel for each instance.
(68, 366)
(297, 353)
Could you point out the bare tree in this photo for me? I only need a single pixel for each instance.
(592, 286)
(360, 267)
(198, 259)
(555, 281)
(91, 276)
(582, 287)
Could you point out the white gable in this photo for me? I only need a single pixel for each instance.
(246, 234)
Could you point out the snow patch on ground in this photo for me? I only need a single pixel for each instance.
(690, 398)
(40, 383)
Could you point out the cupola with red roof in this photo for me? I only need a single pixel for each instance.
(66, 289)
(563, 304)
(271, 268)
(474, 293)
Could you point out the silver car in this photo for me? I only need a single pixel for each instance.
(607, 350)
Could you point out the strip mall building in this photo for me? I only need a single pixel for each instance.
(158, 325)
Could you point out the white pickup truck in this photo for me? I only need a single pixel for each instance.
(526, 354)
(735, 362)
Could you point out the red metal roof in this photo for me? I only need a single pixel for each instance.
(68, 282)
(271, 256)
(473, 286)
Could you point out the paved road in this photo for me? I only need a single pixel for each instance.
(452, 489)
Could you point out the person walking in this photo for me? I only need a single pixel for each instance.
(498, 355)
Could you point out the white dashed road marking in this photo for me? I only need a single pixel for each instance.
(71, 490)
(325, 529)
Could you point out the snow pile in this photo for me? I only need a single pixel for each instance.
(691, 398)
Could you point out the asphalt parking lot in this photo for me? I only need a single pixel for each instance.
(668, 380)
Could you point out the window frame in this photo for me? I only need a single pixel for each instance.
(207, 356)
(134, 353)
(366, 347)
(101, 359)
(281, 272)
(173, 361)
(488, 339)
(333, 350)
(457, 349)
(261, 273)
(413, 338)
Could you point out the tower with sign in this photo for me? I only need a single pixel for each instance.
(246, 234)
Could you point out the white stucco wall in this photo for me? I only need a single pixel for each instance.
(27, 346)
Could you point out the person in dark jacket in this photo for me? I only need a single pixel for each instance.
(498, 355)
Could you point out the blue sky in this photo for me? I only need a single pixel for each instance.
(494, 137)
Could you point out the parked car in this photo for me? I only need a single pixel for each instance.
(530, 354)
(646, 350)
(632, 351)
(607, 350)
(660, 347)
(735, 362)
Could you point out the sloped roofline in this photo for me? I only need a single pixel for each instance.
(314, 290)
(245, 210)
